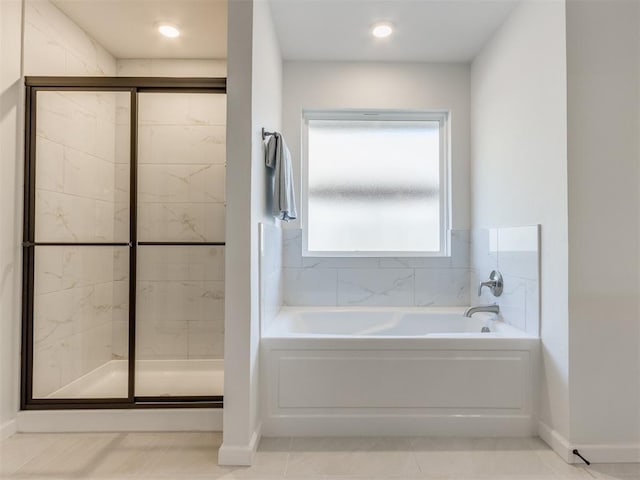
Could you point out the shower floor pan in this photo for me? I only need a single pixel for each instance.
(154, 378)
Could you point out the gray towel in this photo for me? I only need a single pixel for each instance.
(278, 158)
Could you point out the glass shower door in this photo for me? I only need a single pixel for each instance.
(78, 244)
(180, 264)
(123, 244)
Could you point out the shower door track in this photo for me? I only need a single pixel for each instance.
(133, 85)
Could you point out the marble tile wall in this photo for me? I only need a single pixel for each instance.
(83, 195)
(181, 195)
(384, 281)
(76, 291)
(74, 311)
(55, 45)
(76, 194)
(180, 302)
(270, 273)
(181, 168)
(77, 181)
(424, 281)
(76, 198)
(514, 251)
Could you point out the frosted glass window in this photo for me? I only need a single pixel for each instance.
(375, 187)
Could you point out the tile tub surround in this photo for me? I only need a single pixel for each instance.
(423, 281)
(384, 281)
(514, 251)
(189, 455)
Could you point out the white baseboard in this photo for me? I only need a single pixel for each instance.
(8, 428)
(612, 453)
(125, 420)
(240, 455)
(557, 442)
(595, 453)
(399, 425)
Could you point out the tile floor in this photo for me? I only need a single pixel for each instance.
(182, 456)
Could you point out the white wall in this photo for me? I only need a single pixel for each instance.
(603, 57)
(519, 167)
(335, 85)
(266, 112)
(171, 67)
(254, 99)
(11, 120)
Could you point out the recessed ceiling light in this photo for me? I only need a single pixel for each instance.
(169, 31)
(382, 29)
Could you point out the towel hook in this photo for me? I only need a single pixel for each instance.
(266, 134)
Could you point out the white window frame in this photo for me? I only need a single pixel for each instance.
(440, 116)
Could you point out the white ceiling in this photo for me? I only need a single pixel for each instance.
(338, 30)
(425, 30)
(128, 28)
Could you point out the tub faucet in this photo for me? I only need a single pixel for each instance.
(482, 308)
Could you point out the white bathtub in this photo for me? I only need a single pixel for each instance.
(358, 322)
(397, 371)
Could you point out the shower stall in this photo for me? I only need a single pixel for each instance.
(123, 253)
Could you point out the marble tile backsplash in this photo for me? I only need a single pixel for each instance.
(423, 281)
(514, 251)
(402, 281)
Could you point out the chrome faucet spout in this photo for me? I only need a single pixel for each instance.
(482, 308)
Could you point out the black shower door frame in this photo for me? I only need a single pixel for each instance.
(133, 86)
